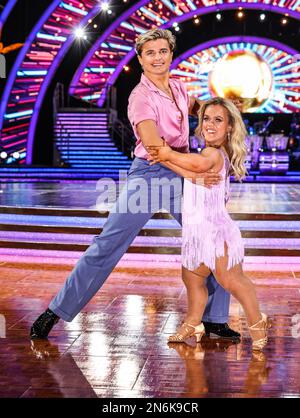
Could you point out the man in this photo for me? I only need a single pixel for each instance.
(158, 111)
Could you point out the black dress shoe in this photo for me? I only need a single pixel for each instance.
(43, 325)
(214, 330)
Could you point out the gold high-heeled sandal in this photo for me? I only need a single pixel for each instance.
(187, 331)
(258, 345)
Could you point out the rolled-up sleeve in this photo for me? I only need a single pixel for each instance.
(140, 108)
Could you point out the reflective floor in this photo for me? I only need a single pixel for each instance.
(117, 347)
(247, 197)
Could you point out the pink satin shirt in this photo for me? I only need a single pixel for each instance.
(146, 102)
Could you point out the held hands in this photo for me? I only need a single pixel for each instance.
(158, 153)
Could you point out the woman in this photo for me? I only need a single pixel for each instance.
(211, 241)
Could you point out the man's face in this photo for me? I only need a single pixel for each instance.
(156, 57)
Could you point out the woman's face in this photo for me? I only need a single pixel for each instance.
(156, 57)
(215, 126)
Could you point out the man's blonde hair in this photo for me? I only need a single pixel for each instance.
(152, 35)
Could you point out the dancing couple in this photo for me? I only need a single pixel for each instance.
(158, 111)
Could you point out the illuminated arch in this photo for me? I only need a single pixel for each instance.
(50, 39)
(110, 53)
(33, 70)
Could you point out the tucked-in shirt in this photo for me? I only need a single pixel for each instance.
(147, 102)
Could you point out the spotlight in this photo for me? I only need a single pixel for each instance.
(16, 155)
(284, 21)
(219, 16)
(105, 6)
(176, 26)
(126, 68)
(262, 17)
(240, 14)
(3, 155)
(79, 33)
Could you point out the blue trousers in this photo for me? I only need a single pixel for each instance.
(148, 189)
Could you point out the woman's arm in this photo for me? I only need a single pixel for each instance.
(147, 131)
(198, 178)
(194, 162)
(208, 159)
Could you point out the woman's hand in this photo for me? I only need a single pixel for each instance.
(158, 153)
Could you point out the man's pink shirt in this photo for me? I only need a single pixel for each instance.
(146, 102)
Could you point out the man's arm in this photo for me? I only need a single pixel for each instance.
(147, 131)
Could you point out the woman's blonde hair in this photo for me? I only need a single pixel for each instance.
(236, 146)
(152, 35)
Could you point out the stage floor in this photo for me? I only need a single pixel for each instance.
(247, 197)
(117, 346)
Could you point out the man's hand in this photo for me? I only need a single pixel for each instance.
(210, 178)
(158, 154)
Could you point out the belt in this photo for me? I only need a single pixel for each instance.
(183, 150)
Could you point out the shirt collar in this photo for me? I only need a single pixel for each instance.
(148, 83)
(152, 86)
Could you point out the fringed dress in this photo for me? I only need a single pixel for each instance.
(207, 226)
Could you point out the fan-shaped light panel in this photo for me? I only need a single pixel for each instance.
(265, 77)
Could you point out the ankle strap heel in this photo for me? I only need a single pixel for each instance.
(262, 325)
(186, 331)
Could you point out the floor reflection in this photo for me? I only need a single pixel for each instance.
(117, 347)
(258, 373)
(58, 372)
(210, 374)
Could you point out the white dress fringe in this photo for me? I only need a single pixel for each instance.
(207, 225)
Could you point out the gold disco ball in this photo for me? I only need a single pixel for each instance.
(242, 75)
